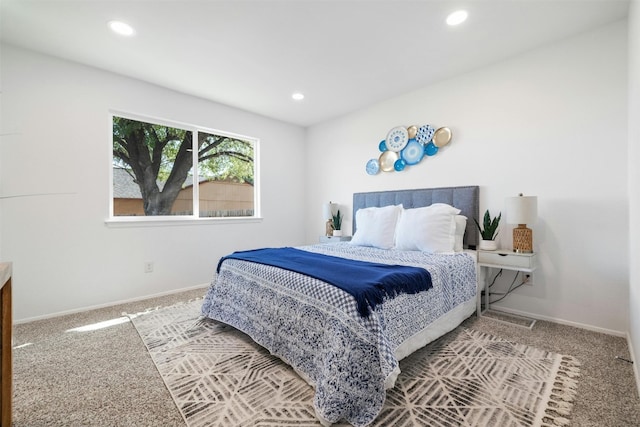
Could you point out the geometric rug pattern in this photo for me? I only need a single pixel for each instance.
(218, 376)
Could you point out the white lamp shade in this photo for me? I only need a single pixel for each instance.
(327, 210)
(522, 209)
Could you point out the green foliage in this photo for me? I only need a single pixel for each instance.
(489, 231)
(225, 158)
(219, 157)
(160, 159)
(337, 221)
(143, 144)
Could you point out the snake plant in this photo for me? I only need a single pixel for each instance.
(337, 221)
(489, 230)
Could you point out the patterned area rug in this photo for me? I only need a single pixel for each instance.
(219, 377)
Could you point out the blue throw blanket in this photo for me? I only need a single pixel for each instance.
(369, 283)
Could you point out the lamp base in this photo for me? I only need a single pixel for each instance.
(328, 226)
(522, 239)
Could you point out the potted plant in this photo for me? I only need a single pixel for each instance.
(489, 231)
(337, 224)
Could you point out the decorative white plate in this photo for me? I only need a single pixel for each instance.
(387, 159)
(425, 133)
(373, 167)
(397, 138)
(412, 153)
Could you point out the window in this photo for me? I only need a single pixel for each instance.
(156, 171)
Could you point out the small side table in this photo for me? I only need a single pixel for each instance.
(504, 259)
(334, 239)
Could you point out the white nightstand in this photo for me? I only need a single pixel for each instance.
(334, 239)
(504, 259)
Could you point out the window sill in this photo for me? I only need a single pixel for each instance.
(129, 222)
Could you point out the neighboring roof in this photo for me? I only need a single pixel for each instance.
(124, 187)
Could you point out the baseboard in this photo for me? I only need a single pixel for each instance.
(635, 363)
(510, 318)
(561, 321)
(110, 304)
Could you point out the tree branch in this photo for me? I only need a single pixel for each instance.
(239, 156)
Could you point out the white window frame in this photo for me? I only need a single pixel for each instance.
(170, 220)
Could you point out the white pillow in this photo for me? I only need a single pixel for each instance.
(461, 225)
(429, 229)
(376, 227)
(443, 208)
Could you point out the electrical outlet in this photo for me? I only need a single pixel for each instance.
(148, 267)
(527, 278)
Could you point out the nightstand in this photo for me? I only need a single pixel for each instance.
(504, 259)
(334, 239)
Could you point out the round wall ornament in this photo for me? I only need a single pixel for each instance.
(387, 160)
(442, 137)
(397, 138)
(430, 149)
(412, 153)
(425, 133)
(373, 167)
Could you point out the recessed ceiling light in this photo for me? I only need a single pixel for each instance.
(457, 17)
(298, 96)
(121, 28)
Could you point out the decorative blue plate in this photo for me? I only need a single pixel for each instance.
(382, 146)
(399, 165)
(425, 133)
(373, 167)
(430, 149)
(413, 152)
(397, 138)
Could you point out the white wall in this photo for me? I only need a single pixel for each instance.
(64, 255)
(551, 123)
(634, 183)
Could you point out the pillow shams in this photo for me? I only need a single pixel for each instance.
(376, 227)
(461, 225)
(429, 229)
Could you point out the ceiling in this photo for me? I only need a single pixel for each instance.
(343, 55)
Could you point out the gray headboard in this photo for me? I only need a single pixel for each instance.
(467, 199)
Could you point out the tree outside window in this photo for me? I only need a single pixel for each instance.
(154, 171)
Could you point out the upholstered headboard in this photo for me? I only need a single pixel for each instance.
(467, 199)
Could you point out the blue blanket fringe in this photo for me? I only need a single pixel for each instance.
(369, 283)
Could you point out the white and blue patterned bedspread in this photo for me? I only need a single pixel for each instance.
(316, 328)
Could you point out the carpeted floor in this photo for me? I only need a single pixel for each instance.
(67, 376)
(218, 377)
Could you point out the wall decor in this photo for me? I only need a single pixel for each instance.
(408, 146)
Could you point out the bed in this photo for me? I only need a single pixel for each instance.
(350, 357)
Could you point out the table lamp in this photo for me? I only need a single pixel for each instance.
(327, 214)
(522, 210)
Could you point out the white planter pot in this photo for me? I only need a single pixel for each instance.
(488, 245)
(337, 233)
